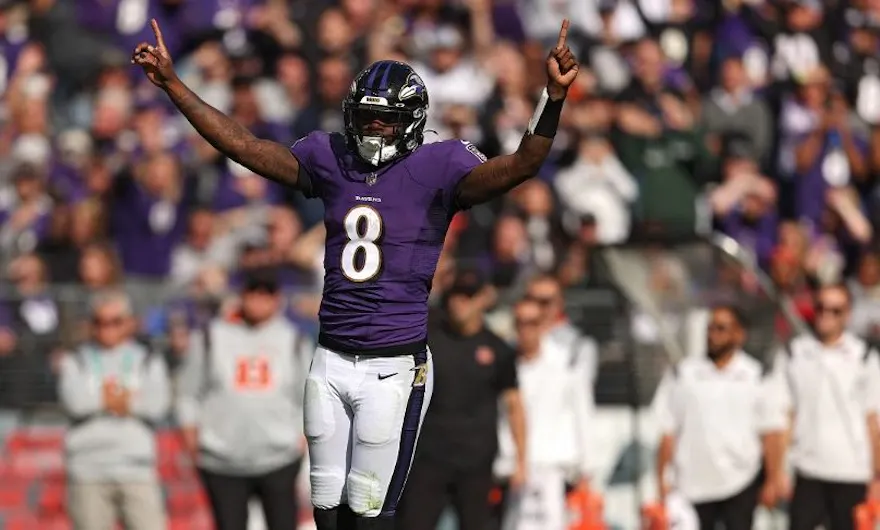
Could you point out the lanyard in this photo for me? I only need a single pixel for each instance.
(127, 375)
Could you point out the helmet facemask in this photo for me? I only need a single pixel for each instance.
(382, 133)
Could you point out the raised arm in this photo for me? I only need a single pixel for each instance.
(504, 173)
(269, 159)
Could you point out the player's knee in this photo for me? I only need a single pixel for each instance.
(318, 418)
(327, 485)
(366, 493)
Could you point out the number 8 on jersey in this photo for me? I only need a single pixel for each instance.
(363, 227)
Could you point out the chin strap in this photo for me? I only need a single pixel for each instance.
(373, 150)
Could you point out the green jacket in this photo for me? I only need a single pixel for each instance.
(672, 170)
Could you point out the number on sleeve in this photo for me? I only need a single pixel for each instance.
(363, 226)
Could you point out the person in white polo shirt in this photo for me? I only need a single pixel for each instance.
(828, 384)
(716, 429)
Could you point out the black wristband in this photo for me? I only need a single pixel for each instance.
(548, 121)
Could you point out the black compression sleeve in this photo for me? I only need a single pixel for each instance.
(548, 121)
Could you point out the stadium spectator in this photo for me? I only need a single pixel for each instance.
(598, 185)
(865, 320)
(334, 76)
(660, 145)
(535, 202)
(37, 312)
(240, 403)
(734, 108)
(511, 261)
(745, 202)
(557, 411)
(149, 215)
(73, 227)
(457, 75)
(474, 370)
(695, 435)
(202, 248)
(829, 385)
(115, 392)
(282, 231)
(25, 206)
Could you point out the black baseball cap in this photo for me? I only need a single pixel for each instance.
(738, 146)
(467, 282)
(261, 280)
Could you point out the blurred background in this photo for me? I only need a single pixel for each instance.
(757, 119)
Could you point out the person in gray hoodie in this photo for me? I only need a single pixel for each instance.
(114, 391)
(240, 406)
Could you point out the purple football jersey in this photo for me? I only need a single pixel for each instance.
(385, 230)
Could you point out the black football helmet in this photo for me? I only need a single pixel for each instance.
(386, 94)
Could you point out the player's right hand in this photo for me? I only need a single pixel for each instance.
(155, 60)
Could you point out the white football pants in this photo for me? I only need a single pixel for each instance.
(362, 420)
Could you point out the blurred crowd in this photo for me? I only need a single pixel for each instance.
(746, 116)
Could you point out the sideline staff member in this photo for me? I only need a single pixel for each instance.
(240, 400)
(115, 391)
(472, 368)
(712, 411)
(830, 385)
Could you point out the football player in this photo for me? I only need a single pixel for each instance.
(388, 201)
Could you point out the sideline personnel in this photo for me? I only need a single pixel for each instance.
(829, 385)
(240, 400)
(472, 369)
(114, 391)
(557, 405)
(713, 414)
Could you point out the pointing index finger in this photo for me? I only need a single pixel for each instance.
(563, 34)
(158, 33)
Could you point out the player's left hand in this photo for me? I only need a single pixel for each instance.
(155, 60)
(562, 66)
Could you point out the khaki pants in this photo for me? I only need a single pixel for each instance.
(98, 505)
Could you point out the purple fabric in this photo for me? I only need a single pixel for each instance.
(39, 226)
(734, 36)
(508, 25)
(201, 16)
(9, 52)
(68, 183)
(810, 186)
(5, 316)
(128, 22)
(759, 236)
(226, 197)
(144, 245)
(278, 132)
(412, 202)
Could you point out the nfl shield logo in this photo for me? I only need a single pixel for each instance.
(371, 179)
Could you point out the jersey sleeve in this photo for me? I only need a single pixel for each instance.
(305, 150)
(462, 157)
